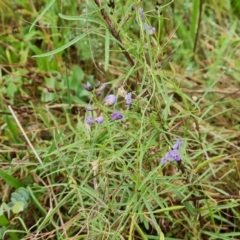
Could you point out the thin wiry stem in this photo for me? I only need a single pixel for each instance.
(114, 32)
(216, 197)
(198, 26)
(24, 134)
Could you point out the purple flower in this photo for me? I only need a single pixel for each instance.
(89, 120)
(178, 144)
(100, 88)
(149, 29)
(128, 99)
(88, 87)
(110, 100)
(172, 155)
(99, 119)
(116, 115)
(141, 13)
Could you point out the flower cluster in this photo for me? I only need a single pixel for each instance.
(150, 30)
(98, 88)
(109, 100)
(173, 154)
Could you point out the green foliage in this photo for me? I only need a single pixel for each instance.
(106, 181)
(12, 181)
(235, 4)
(20, 200)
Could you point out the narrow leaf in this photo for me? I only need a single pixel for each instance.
(107, 42)
(41, 14)
(210, 160)
(10, 180)
(76, 39)
(82, 18)
(175, 208)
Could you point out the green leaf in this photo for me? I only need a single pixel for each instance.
(2, 231)
(82, 18)
(3, 221)
(41, 14)
(4, 207)
(235, 4)
(36, 202)
(18, 207)
(175, 208)
(10, 180)
(76, 39)
(210, 160)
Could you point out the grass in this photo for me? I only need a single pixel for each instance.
(61, 178)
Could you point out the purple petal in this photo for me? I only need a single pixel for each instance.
(89, 120)
(100, 88)
(163, 160)
(116, 115)
(88, 86)
(178, 144)
(174, 154)
(141, 13)
(99, 119)
(169, 156)
(128, 99)
(145, 26)
(177, 158)
(110, 99)
(104, 85)
(99, 93)
(149, 29)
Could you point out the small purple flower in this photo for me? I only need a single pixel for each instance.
(149, 29)
(89, 120)
(116, 115)
(110, 100)
(172, 155)
(141, 13)
(100, 88)
(178, 144)
(99, 119)
(128, 99)
(88, 87)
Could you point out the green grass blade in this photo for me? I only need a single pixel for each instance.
(107, 42)
(76, 39)
(10, 180)
(194, 19)
(41, 14)
(174, 208)
(82, 18)
(36, 202)
(210, 160)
